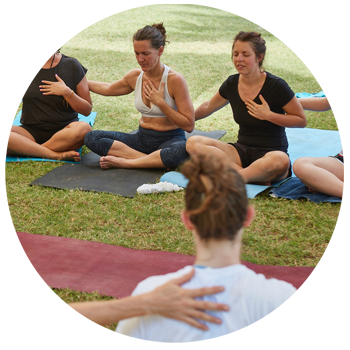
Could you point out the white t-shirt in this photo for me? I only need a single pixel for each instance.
(250, 296)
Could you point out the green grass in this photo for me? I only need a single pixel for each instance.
(284, 232)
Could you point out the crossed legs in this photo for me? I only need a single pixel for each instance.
(272, 167)
(321, 174)
(60, 146)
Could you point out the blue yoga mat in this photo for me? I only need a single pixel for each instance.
(302, 143)
(308, 95)
(89, 119)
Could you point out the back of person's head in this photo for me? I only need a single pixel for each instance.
(154, 33)
(257, 43)
(41, 19)
(216, 198)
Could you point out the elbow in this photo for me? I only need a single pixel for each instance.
(87, 111)
(190, 127)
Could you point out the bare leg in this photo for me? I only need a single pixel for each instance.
(152, 160)
(321, 174)
(70, 137)
(204, 145)
(121, 150)
(21, 142)
(273, 167)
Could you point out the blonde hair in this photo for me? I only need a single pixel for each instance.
(41, 19)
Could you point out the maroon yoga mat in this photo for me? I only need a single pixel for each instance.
(112, 270)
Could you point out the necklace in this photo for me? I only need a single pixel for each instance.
(37, 59)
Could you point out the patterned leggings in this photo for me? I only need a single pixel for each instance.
(171, 143)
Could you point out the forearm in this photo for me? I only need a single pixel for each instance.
(78, 104)
(111, 311)
(100, 88)
(319, 104)
(287, 120)
(185, 122)
(202, 111)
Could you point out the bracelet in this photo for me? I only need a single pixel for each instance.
(70, 96)
(65, 101)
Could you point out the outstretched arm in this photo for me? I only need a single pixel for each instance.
(168, 300)
(209, 107)
(319, 104)
(120, 87)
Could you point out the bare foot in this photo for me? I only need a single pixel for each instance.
(109, 162)
(72, 156)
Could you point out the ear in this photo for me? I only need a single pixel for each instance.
(161, 50)
(260, 57)
(186, 220)
(250, 216)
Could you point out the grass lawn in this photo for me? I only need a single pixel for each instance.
(284, 232)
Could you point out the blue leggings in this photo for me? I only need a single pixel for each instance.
(171, 143)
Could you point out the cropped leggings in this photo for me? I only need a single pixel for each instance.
(171, 143)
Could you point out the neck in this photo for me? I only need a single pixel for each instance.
(54, 59)
(218, 253)
(253, 78)
(155, 72)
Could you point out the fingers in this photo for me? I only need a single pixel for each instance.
(58, 78)
(193, 293)
(183, 279)
(203, 316)
(208, 305)
(262, 99)
(192, 322)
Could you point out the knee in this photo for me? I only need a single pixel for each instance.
(89, 136)
(299, 167)
(84, 128)
(193, 144)
(279, 163)
(174, 155)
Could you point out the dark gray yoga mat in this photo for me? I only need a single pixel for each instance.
(88, 176)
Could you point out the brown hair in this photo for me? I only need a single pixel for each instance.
(154, 33)
(256, 42)
(216, 198)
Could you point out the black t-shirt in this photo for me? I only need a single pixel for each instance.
(252, 131)
(48, 111)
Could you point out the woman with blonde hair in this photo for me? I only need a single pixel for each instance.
(54, 90)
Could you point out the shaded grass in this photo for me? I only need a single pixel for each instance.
(284, 232)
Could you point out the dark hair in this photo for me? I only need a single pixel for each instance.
(216, 198)
(154, 33)
(256, 41)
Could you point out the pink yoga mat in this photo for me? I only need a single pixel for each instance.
(112, 270)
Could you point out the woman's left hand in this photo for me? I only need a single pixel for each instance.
(58, 88)
(261, 112)
(154, 95)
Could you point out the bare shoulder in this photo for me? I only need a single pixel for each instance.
(131, 77)
(177, 84)
(175, 77)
